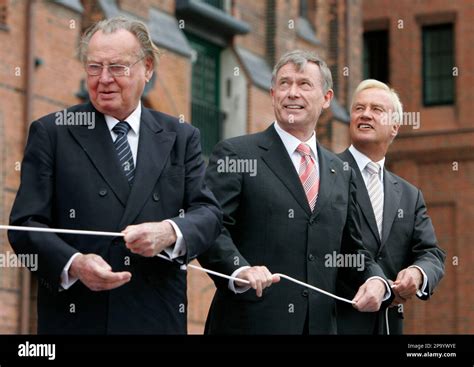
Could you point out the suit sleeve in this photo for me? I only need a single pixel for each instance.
(224, 256)
(33, 207)
(425, 251)
(201, 221)
(352, 243)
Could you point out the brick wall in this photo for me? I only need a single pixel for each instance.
(438, 156)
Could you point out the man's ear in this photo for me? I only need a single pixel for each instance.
(327, 98)
(394, 131)
(149, 66)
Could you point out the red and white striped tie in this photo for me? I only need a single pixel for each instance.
(308, 173)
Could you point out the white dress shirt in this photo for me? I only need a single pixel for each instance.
(291, 143)
(173, 251)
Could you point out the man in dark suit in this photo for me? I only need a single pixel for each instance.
(288, 203)
(395, 226)
(134, 166)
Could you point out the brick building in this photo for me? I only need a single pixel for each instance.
(215, 73)
(430, 63)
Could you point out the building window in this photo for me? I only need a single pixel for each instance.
(3, 13)
(205, 112)
(376, 55)
(438, 63)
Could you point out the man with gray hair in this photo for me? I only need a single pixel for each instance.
(137, 171)
(287, 218)
(395, 226)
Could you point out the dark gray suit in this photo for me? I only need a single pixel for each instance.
(268, 222)
(69, 168)
(408, 238)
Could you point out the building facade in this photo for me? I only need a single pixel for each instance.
(422, 49)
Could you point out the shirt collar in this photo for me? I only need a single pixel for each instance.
(133, 120)
(291, 142)
(362, 160)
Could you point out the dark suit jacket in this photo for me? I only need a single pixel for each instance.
(408, 239)
(71, 178)
(268, 222)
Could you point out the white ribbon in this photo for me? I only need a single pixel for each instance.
(183, 267)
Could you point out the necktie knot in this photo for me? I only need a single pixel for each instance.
(373, 168)
(121, 128)
(304, 149)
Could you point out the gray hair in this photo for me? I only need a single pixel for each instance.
(397, 116)
(300, 58)
(137, 28)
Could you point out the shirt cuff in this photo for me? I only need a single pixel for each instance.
(422, 291)
(66, 280)
(388, 292)
(238, 289)
(179, 248)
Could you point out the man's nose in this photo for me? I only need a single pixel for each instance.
(294, 91)
(106, 76)
(366, 114)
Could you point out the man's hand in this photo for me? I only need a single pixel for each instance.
(398, 300)
(408, 281)
(259, 278)
(370, 295)
(94, 272)
(149, 239)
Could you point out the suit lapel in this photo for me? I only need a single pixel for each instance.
(392, 196)
(277, 159)
(154, 147)
(327, 179)
(98, 145)
(362, 195)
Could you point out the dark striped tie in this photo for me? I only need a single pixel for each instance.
(123, 150)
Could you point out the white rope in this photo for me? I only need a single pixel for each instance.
(315, 288)
(58, 230)
(183, 267)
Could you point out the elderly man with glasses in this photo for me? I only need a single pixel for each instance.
(137, 171)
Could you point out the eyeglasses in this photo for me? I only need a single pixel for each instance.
(114, 69)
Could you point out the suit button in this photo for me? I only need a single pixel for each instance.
(311, 221)
(305, 293)
(156, 197)
(102, 192)
(310, 257)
